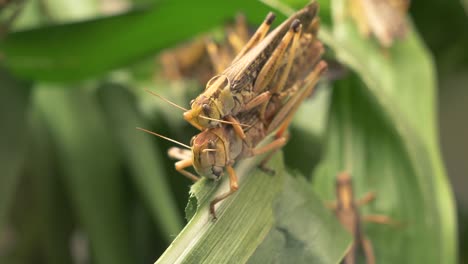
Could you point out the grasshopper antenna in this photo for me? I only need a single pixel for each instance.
(165, 100)
(166, 138)
(180, 107)
(224, 121)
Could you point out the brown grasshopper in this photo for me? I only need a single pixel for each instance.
(385, 19)
(346, 210)
(243, 85)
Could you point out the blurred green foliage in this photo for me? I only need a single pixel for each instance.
(80, 184)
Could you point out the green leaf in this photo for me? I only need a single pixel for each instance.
(308, 129)
(145, 163)
(89, 162)
(88, 49)
(246, 221)
(364, 142)
(52, 215)
(384, 133)
(14, 98)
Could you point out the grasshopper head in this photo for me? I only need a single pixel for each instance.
(201, 107)
(209, 154)
(211, 105)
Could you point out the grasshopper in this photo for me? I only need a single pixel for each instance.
(385, 19)
(346, 210)
(242, 86)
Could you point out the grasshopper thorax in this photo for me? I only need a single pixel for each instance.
(213, 104)
(209, 151)
(344, 191)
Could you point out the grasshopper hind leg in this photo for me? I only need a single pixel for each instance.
(368, 250)
(257, 36)
(271, 149)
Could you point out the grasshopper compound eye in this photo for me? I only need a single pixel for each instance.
(206, 109)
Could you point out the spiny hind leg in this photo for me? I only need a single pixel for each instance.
(268, 71)
(185, 160)
(257, 36)
(283, 118)
(233, 187)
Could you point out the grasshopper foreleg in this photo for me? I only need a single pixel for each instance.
(237, 127)
(185, 161)
(233, 187)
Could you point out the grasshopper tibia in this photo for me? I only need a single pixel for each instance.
(233, 187)
(368, 250)
(258, 35)
(266, 74)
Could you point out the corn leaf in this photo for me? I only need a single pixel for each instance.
(257, 217)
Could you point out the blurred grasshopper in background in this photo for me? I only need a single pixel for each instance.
(385, 19)
(246, 83)
(346, 210)
(202, 58)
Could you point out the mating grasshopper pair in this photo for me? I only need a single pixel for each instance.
(253, 97)
(346, 210)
